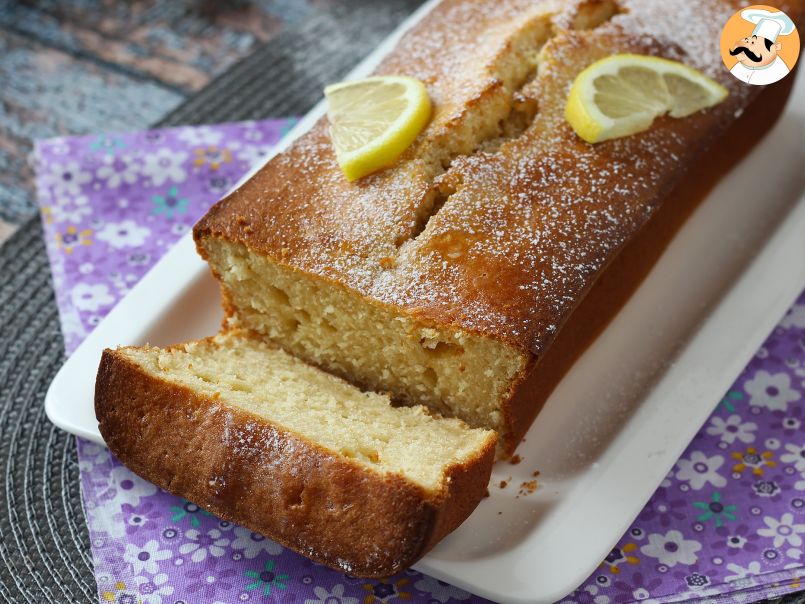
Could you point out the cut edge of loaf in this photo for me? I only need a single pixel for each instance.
(450, 370)
(247, 469)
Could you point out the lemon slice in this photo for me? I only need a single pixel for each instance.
(372, 121)
(622, 94)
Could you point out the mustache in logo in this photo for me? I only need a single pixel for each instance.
(743, 49)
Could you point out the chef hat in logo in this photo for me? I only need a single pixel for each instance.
(768, 25)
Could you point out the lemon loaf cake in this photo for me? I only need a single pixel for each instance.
(260, 438)
(446, 278)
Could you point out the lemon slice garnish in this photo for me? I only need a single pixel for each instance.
(622, 94)
(372, 121)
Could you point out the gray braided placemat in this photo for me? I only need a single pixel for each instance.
(44, 547)
(43, 543)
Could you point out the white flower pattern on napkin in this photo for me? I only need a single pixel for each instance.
(91, 297)
(252, 544)
(145, 558)
(732, 429)
(200, 544)
(66, 179)
(123, 234)
(795, 455)
(771, 390)
(165, 166)
(782, 531)
(700, 470)
(333, 596)
(671, 548)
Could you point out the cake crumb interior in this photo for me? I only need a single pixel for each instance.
(451, 371)
(247, 373)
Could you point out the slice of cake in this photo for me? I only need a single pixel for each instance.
(260, 438)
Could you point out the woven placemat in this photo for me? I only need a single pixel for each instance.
(44, 546)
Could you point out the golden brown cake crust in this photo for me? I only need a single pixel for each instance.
(529, 228)
(246, 470)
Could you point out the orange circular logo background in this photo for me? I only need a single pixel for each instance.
(737, 27)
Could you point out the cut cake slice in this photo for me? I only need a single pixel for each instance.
(260, 438)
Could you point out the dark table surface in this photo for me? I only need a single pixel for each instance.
(89, 66)
(84, 66)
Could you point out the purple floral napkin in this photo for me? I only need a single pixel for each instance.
(726, 525)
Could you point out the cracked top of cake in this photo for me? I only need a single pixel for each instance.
(498, 217)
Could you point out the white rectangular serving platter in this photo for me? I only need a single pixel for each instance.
(620, 418)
